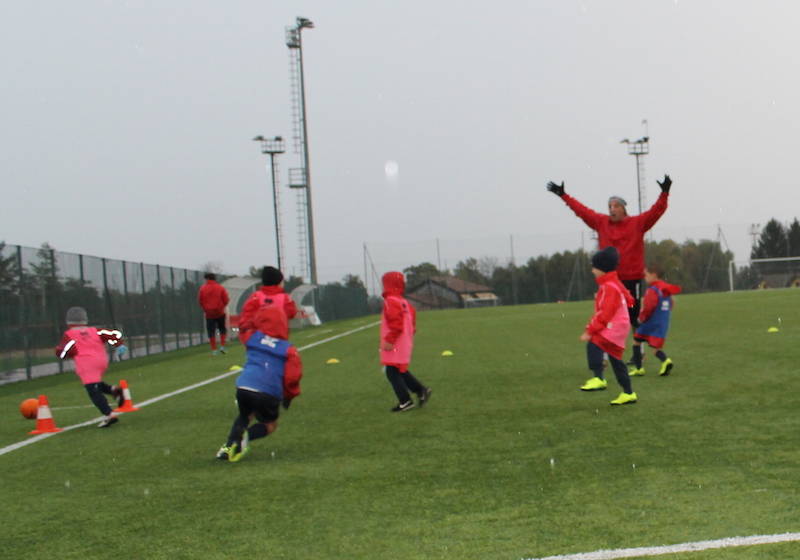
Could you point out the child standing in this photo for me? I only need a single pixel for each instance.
(270, 294)
(609, 326)
(271, 376)
(213, 298)
(654, 319)
(398, 325)
(86, 345)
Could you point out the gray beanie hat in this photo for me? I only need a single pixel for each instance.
(77, 316)
(619, 199)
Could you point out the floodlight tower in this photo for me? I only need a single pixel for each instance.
(639, 148)
(301, 178)
(273, 147)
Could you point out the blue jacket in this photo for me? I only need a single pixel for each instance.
(657, 324)
(265, 366)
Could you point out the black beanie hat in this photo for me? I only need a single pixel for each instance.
(271, 276)
(606, 260)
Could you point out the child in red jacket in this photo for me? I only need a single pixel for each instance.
(271, 377)
(87, 346)
(270, 294)
(654, 319)
(609, 327)
(398, 325)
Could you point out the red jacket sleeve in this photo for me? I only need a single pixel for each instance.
(393, 311)
(413, 317)
(649, 218)
(290, 308)
(292, 373)
(650, 302)
(606, 308)
(589, 216)
(225, 297)
(246, 325)
(66, 348)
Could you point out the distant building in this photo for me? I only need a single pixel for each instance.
(442, 292)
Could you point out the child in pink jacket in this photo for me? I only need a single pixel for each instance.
(87, 346)
(398, 324)
(609, 326)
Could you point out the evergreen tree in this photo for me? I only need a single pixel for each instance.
(793, 239)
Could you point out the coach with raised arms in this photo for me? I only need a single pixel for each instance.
(625, 233)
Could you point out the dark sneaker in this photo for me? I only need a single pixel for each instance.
(424, 396)
(402, 407)
(108, 421)
(118, 394)
(222, 350)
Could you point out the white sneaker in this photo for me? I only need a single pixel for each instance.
(108, 421)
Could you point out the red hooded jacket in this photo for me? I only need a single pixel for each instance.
(627, 235)
(213, 298)
(272, 321)
(266, 296)
(398, 322)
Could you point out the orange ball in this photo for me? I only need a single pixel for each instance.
(29, 407)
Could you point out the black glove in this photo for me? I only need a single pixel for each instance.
(286, 403)
(556, 189)
(665, 184)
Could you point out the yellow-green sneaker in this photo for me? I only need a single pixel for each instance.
(238, 451)
(633, 372)
(666, 367)
(594, 384)
(625, 398)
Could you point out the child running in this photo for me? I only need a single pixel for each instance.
(609, 326)
(87, 346)
(654, 319)
(398, 325)
(271, 377)
(270, 294)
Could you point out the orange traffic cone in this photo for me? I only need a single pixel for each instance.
(44, 418)
(127, 405)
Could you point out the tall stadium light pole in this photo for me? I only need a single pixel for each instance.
(273, 147)
(639, 148)
(294, 40)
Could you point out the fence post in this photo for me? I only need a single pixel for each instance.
(175, 309)
(146, 318)
(23, 324)
(127, 304)
(189, 307)
(57, 307)
(161, 329)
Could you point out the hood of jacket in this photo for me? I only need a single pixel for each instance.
(394, 284)
(272, 321)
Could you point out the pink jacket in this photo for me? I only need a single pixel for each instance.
(610, 324)
(87, 346)
(398, 322)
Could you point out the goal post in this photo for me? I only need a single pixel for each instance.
(779, 272)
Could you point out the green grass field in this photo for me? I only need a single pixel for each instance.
(508, 460)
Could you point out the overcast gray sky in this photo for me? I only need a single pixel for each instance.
(127, 126)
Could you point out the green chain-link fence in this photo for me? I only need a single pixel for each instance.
(154, 306)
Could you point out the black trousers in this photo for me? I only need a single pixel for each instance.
(264, 407)
(402, 383)
(635, 289)
(96, 391)
(594, 355)
(217, 324)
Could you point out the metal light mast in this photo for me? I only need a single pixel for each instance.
(640, 148)
(273, 147)
(301, 178)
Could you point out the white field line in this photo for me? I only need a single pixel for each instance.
(675, 548)
(39, 437)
